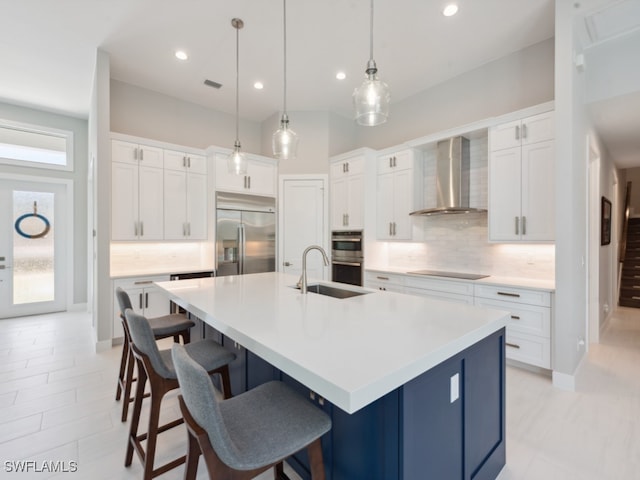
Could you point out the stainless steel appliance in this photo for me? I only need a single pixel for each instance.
(245, 234)
(347, 257)
(452, 179)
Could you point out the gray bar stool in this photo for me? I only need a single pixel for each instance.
(174, 325)
(250, 433)
(157, 367)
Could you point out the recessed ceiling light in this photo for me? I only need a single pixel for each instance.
(258, 85)
(450, 10)
(181, 55)
(341, 75)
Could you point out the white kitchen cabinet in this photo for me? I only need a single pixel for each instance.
(146, 299)
(185, 162)
(451, 291)
(136, 154)
(384, 281)
(136, 202)
(534, 129)
(398, 194)
(260, 178)
(529, 324)
(185, 205)
(347, 193)
(521, 183)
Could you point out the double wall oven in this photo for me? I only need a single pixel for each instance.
(347, 257)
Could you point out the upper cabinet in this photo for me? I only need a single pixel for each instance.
(136, 192)
(185, 196)
(347, 193)
(157, 194)
(260, 178)
(521, 180)
(399, 193)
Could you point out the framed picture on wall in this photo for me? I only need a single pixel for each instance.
(605, 222)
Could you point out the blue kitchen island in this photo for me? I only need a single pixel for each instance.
(415, 387)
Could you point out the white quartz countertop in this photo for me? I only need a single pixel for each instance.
(506, 281)
(350, 351)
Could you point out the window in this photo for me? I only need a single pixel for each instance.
(34, 146)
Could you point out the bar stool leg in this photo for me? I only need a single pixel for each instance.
(123, 366)
(135, 419)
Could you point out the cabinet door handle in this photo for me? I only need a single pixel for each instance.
(395, 161)
(141, 154)
(524, 130)
(390, 229)
(382, 278)
(517, 132)
(189, 228)
(524, 225)
(135, 229)
(507, 294)
(347, 215)
(515, 317)
(184, 229)
(140, 301)
(517, 225)
(142, 229)
(347, 167)
(390, 162)
(512, 345)
(146, 300)
(189, 162)
(143, 282)
(287, 264)
(394, 229)
(184, 162)
(135, 153)
(249, 182)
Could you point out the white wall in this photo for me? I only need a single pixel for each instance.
(633, 175)
(519, 80)
(148, 114)
(79, 175)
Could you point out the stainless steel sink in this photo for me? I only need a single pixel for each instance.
(330, 291)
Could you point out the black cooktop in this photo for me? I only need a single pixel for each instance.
(438, 273)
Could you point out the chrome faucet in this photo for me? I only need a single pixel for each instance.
(302, 283)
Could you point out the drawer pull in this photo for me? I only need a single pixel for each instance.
(145, 282)
(382, 278)
(507, 294)
(512, 345)
(515, 317)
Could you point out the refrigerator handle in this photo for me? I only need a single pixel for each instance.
(241, 248)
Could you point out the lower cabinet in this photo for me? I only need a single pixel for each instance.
(145, 298)
(448, 423)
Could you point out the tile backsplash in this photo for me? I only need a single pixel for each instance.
(459, 243)
(139, 258)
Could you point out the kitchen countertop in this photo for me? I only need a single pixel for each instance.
(533, 283)
(350, 351)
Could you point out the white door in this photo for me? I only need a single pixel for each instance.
(303, 223)
(33, 248)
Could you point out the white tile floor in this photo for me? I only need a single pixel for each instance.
(57, 405)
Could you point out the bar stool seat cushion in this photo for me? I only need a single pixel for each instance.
(208, 353)
(168, 325)
(266, 424)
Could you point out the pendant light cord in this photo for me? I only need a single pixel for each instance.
(371, 34)
(284, 10)
(237, 85)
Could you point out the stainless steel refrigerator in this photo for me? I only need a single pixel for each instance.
(245, 234)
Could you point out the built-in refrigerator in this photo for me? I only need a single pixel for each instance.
(245, 234)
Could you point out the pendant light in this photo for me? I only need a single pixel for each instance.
(285, 140)
(371, 99)
(237, 161)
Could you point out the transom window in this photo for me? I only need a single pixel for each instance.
(35, 146)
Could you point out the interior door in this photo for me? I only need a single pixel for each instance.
(304, 223)
(32, 247)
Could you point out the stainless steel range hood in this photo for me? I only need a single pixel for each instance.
(452, 179)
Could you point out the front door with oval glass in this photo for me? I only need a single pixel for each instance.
(32, 247)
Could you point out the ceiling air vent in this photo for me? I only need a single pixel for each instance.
(211, 83)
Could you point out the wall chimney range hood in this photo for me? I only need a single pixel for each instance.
(452, 179)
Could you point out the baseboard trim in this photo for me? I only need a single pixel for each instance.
(564, 381)
(77, 307)
(103, 346)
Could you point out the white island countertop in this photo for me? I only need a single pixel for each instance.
(350, 351)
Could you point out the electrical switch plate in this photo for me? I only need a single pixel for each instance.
(455, 387)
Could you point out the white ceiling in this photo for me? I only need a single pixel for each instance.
(48, 50)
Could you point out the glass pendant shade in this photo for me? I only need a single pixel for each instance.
(285, 141)
(371, 100)
(237, 161)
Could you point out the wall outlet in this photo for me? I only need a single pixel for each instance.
(580, 344)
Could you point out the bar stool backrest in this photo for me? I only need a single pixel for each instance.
(199, 397)
(123, 300)
(144, 341)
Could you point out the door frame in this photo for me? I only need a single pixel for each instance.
(69, 209)
(324, 178)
